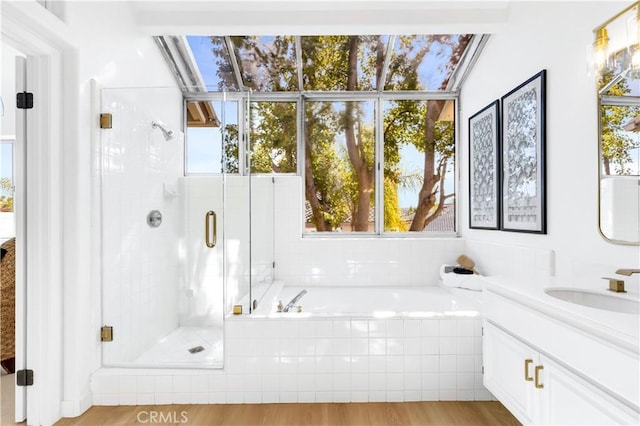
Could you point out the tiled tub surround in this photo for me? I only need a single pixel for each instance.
(319, 359)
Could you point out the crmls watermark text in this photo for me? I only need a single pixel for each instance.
(162, 417)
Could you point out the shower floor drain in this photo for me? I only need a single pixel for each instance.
(196, 349)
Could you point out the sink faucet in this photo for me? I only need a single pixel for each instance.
(616, 284)
(294, 300)
(628, 272)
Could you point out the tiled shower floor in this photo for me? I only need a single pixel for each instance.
(174, 348)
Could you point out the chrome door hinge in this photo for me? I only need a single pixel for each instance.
(24, 377)
(106, 334)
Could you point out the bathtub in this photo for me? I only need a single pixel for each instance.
(349, 344)
(375, 302)
(361, 344)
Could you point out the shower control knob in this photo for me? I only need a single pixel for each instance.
(154, 218)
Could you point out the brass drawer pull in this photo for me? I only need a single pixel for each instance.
(537, 374)
(526, 370)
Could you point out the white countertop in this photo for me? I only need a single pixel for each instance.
(619, 328)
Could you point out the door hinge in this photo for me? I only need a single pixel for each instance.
(105, 120)
(273, 265)
(24, 100)
(482, 331)
(24, 377)
(106, 334)
(483, 369)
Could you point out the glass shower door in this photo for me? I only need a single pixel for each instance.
(162, 249)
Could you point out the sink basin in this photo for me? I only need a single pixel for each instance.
(595, 300)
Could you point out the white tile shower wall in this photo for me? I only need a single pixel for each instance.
(319, 360)
(351, 261)
(512, 260)
(139, 262)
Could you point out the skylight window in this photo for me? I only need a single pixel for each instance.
(428, 60)
(267, 64)
(281, 63)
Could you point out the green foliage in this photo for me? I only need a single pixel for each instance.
(339, 138)
(393, 219)
(230, 160)
(6, 204)
(328, 167)
(6, 185)
(6, 201)
(273, 137)
(324, 62)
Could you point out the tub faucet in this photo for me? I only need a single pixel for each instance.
(294, 300)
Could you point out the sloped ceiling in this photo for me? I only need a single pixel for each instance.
(299, 17)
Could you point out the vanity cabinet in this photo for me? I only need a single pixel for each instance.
(540, 390)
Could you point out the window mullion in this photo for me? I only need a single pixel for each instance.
(302, 163)
(379, 167)
(242, 135)
(300, 139)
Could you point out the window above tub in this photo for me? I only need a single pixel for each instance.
(368, 122)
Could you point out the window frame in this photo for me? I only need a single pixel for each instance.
(300, 98)
(11, 141)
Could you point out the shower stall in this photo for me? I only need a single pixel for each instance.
(180, 247)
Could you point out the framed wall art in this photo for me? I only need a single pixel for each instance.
(523, 157)
(484, 168)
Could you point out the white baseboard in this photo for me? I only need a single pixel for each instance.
(74, 408)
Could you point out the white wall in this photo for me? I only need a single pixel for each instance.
(115, 54)
(553, 36)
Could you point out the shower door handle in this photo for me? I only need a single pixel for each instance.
(210, 219)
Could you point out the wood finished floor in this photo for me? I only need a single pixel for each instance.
(490, 413)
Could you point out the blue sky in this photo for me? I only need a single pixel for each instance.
(6, 162)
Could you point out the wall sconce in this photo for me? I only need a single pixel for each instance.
(600, 55)
(616, 46)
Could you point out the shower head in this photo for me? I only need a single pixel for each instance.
(168, 134)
